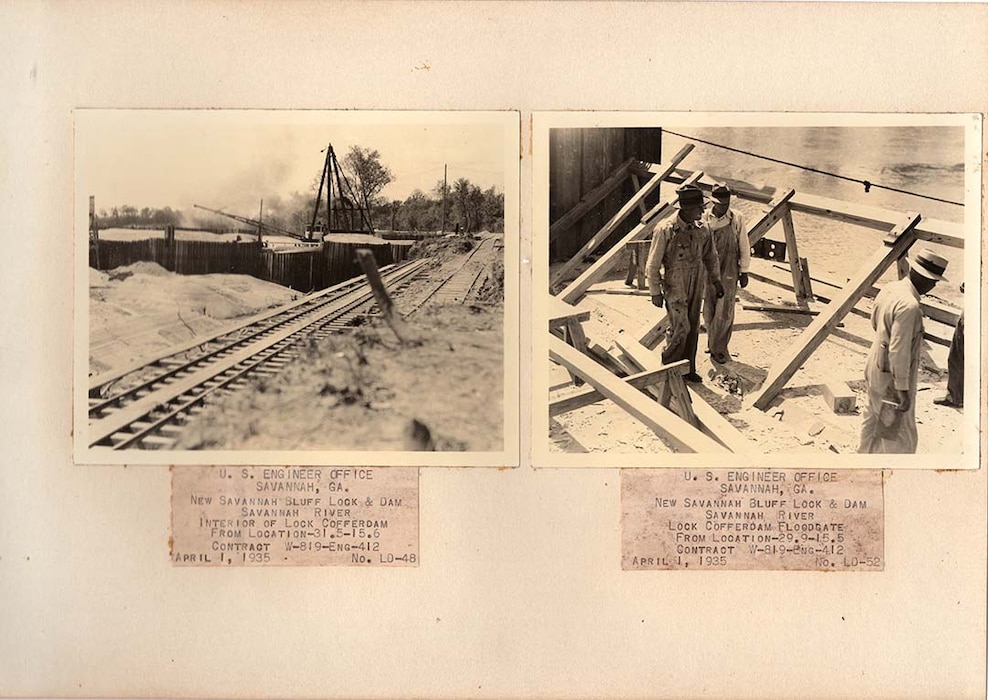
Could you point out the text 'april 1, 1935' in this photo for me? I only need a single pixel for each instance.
(295, 516)
(785, 519)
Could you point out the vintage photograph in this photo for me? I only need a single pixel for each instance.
(756, 288)
(296, 287)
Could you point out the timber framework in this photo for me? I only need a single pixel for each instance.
(630, 372)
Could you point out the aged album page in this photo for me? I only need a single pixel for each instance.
(520, 558)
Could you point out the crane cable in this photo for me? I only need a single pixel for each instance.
(867, 184)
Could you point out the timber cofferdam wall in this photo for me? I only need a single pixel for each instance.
(304, 269)
(592, 168)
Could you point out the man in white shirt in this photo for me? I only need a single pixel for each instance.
(892, 368)
(730, 236)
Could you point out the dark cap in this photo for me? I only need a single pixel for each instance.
(721, 191)
(689, 196)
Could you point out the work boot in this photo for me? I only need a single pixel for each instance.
(693, 378)
(720, 358)
(948, 400)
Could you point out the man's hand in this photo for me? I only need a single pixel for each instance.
(904, 401)
(657, 299)
(720, 288)
(744, 280)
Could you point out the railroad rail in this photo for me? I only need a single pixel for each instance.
(145, 406)
(458, 284)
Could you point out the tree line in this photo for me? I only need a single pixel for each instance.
(146, 217)
(468, 207)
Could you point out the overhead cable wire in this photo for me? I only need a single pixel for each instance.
(867, 184)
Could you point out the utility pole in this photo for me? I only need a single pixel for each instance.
(93, 229)
(260, 217)
(445, 167)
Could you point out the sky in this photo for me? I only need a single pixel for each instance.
(231, 159)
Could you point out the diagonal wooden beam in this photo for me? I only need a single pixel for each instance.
(662, 421)
(777, 210)
(641, 380)
(896, 245)
(640, 359)
(710, 421)
(622, 213)
(578, 287)
(591, 199)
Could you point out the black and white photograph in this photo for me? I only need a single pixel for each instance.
(259, 284)
(757, 287)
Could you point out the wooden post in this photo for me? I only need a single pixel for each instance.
(638, 185)
(804, 271)
(608, 228)
(790, 232)
(587, 397)
(896, 244)
(388, 311)
(709, 421)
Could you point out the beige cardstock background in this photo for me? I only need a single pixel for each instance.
(520, 590)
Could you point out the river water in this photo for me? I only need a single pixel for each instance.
(923, 159)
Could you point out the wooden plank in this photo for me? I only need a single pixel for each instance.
(816, 332)
(572, 293)
(605, 359)
(587, 397)
(710, 422)
(642, 359)
(560, 312)
(781, 308)
(591, 199)
(794, 268)
(932, 309)
(629, 206)
(661, 420)
(945, 233)
(927, 335)
(638, 185)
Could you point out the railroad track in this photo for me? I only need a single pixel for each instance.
(146, 405)
(457, 285)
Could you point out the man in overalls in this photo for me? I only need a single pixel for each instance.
(892, 367)
(730, 237)
(681, 248)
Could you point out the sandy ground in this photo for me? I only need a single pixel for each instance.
(365, 391)
(142, 309)
(359, 390)
(799, 420)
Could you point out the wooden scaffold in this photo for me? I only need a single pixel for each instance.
(632, 375)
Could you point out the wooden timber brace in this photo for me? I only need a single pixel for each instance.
(895, 246)
(629, 206)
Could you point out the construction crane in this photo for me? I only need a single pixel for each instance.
(260, 225)
(343, 210)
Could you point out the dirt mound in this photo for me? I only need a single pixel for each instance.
(441, 249)
(147, 268)
(145, 309)
(492, 288)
